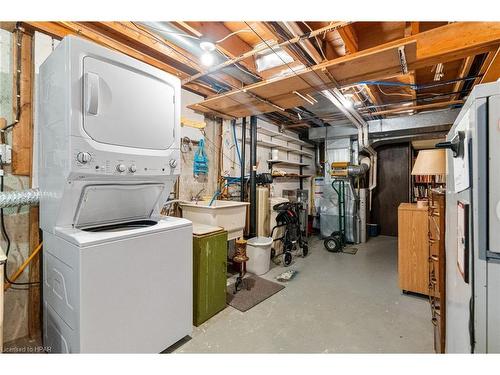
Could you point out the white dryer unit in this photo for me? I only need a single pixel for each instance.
(117, 276)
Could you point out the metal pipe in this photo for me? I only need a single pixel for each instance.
(357, 170)
(243, 147)
(317, 158)
(253, 172)
(30, 197)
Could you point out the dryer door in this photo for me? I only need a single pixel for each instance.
(126, 107)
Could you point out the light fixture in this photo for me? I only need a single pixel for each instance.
(207, 46)
(207, 59)
(348, 102)
(429, 163)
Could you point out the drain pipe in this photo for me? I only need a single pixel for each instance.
(30, 197)
(242, 166)
(253, 172)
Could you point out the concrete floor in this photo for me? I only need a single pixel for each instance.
(337, 303)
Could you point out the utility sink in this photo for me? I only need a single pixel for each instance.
(230, 215)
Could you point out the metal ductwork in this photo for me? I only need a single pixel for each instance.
(178, 37)
(357, 170)
(30, 197)
(317, 158)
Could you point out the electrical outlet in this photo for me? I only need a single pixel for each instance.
(6, 153)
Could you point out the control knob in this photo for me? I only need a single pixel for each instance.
(83, 157)
(172, 163)
(132, 168)
(121, 168)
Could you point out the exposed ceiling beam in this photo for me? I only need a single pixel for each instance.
(61, 29)
(8, 26)
(131, 42)
(412, 28)
(492, 72)
(350, 38)
(262, 47)
(422, 50)
(306, 44)
(455, 41)
(288, 48)
(418, 107)
(137, 36)
(464, 72)
(233, 46)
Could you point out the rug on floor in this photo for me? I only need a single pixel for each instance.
(350, 250)
(255, 290)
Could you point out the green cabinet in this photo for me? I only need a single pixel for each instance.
(209, 275)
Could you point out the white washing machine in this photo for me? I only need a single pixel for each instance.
(117, 275)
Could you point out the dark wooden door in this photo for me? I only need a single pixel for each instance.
(393, 186)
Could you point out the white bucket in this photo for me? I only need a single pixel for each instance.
(259, 254)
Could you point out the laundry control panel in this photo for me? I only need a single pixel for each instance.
(89, 162)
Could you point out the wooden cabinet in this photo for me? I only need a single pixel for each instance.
(209, 273)
(437, 268)
(413, 248)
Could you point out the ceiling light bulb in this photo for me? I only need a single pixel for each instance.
(207, 59)
(207, 46)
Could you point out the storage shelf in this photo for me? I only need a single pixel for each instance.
(287, 162)
(282, 148)
(294, 176)
(283, 136)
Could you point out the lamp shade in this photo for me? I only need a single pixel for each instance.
(430, 162)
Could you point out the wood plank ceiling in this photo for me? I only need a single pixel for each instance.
(383, 68)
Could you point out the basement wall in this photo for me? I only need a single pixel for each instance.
(231, 165)
(190, 185)
(17, 218)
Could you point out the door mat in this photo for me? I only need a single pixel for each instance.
(254, 290)
(350, 250)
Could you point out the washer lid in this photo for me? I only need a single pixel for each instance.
(108, 204)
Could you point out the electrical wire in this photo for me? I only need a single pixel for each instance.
(285, 63)
(317, 40)
(233, 33)
(393, 93)
(7, 238)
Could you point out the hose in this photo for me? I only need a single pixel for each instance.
(30, 197)
(236, 143)
(20, 270)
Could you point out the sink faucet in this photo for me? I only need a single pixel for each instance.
(197, 197)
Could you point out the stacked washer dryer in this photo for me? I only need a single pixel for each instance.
(117, 276)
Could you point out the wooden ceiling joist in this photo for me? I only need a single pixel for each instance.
(350, 39)
(438, 45)
(418, 107)
(368, 64)
(232, 46)
(492, 72)
(135, 42)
